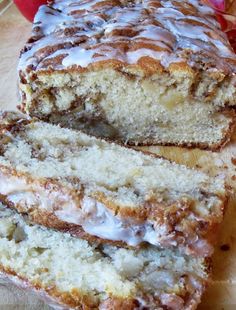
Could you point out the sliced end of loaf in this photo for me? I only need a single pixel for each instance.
(146, 111)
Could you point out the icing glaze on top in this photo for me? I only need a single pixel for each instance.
(78, 33)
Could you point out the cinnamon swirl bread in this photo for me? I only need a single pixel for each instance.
(104, 192)
(70, 273)
(139, 71)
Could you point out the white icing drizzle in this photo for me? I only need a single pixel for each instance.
(83, 57)
(53, 20)
(18, 191)
(134, 56)
(157, 33)
(30, 57)
(94, 26)
(79, 56)
(99, 221)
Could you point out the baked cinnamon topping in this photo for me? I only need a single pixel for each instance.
(80, 33)
(140, 72)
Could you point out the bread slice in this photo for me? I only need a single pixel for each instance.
(141, 72)
(78, 275)
(101, 191)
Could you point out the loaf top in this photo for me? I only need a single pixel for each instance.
(142, 36)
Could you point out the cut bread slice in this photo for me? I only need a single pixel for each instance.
(141, 72)
(93, 189)
(74, 274)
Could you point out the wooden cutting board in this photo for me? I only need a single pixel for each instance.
(14, 31)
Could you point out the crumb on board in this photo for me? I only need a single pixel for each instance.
(233, 161)
(225, 247)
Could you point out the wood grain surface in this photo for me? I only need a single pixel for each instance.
(14, 31)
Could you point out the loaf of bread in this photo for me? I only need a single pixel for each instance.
(74, 274)
(138, 71)
(72, 182)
